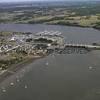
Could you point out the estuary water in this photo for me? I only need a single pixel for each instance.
(57, 77)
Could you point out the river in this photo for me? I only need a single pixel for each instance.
(65, 77)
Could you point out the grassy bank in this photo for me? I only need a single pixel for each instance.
(16, 67)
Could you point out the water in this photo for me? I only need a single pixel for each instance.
(66, 77)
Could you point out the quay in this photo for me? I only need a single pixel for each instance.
(90, 47)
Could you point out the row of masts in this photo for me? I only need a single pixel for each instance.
(49, 33)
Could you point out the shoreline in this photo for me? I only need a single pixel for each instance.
(17, 67)
(71, 25)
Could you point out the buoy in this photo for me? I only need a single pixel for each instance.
(17, 77)
(3, 90)
(17, 80)
(53, 55)
(47, 63)
(90, 67)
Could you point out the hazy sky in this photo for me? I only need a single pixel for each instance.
(36, 0)
(25, 0)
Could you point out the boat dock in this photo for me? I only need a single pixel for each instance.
(91, 47)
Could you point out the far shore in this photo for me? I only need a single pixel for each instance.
(73, 25)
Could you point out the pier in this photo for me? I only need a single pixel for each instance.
(72, 49)
(91, 47)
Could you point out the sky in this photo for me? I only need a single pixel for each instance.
(23, 0)
(42, 0)
(36, 0)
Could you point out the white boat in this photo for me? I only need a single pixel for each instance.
(47, 63)
(90, 67)
(12, 84)
(25, 86)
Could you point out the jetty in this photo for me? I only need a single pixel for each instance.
(86, 46)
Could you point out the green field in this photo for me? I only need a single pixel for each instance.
(82, 14)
